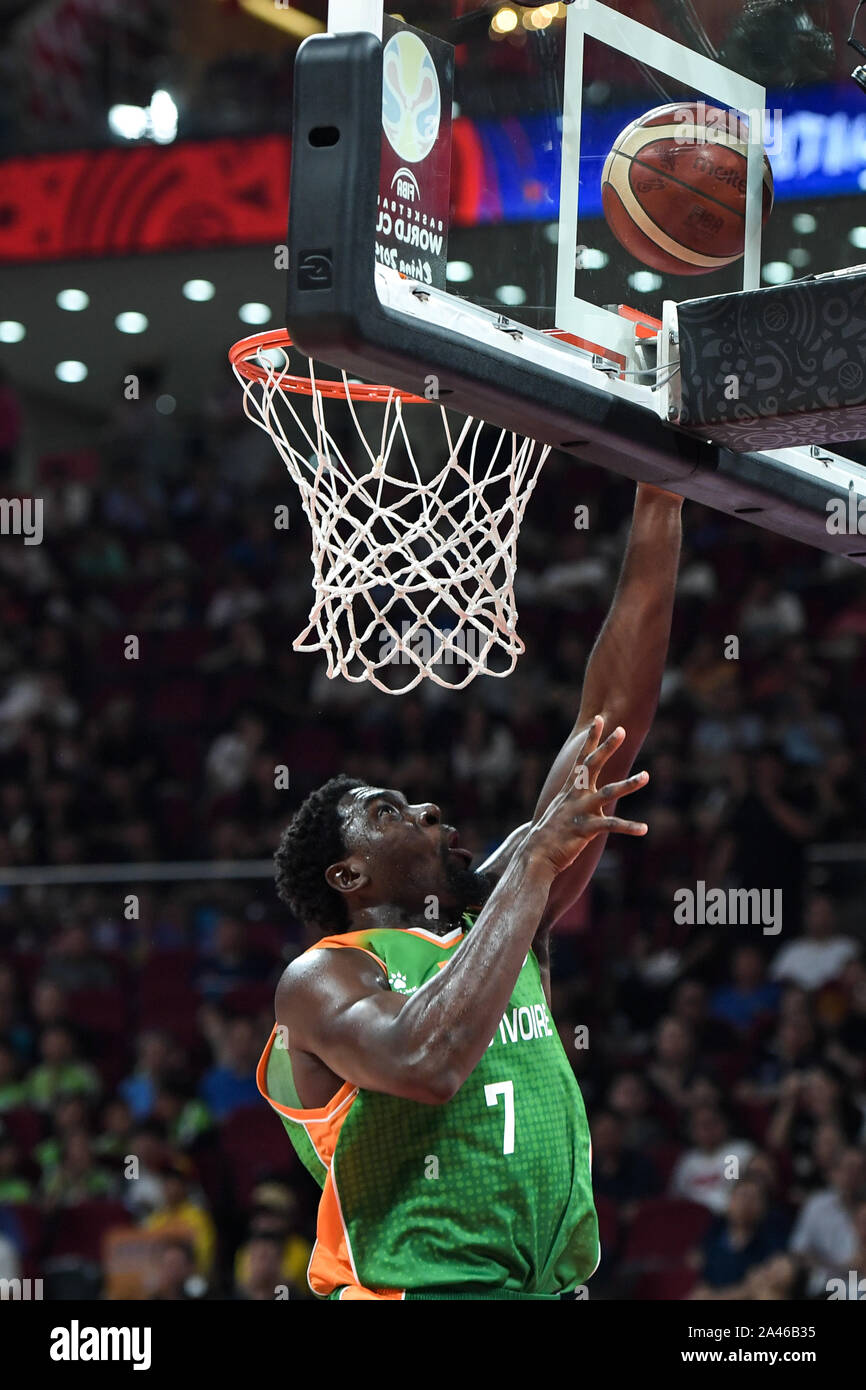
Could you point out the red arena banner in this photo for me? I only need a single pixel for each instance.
(123, 202)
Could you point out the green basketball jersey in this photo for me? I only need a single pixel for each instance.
(486, 1196)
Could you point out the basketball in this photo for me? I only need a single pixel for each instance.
(674, 188)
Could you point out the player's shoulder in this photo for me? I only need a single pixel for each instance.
(333, 963)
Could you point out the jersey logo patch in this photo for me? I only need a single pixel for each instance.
(398, 983)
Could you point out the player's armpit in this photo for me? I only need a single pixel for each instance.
(336, 1004)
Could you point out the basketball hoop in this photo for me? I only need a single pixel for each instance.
(411, 574)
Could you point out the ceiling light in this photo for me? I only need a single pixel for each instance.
(511, 295)
(644, 281)
(73, 300)
(131, 322)
(70, 371)
(779, 272)
(10, 331)
(254, 313)
(273, 357)
(804, 223)
(163, 118)
(590, 258)
(129, 122)
(857, 237)
(539, 18)
(504, 21)
(199, 290)
(458, 272)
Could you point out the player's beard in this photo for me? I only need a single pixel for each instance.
(470, 888)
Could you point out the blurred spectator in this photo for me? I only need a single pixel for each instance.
(859, 1261)
(186, 1118)
(230, 757)
(115, 1130)
(70, 1115)
(775, 1280)
(749, 996)
(737, 1242)
(807, 1101)
(155, 1058)
(13, 1186)
(263, 1274)
(690, 1007)
(791, 1051)
(630, 1099)
(176, 1273)
(768, 615)
(77, 1177)
(236, 600)
(825, 1237)
(48, 1002)
(143, 1190)
(274, 1215)
(770, 816)
(60, 1071)
(74, 965)
(12, 1093)
(821, 953)
(618, 1171)
(230, 962)
(707, 1171)
(10, 1265)
(672, 1066)
(231, 1082)
(180, 1215)
(847, 1045)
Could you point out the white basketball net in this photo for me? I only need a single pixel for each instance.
(412, 578)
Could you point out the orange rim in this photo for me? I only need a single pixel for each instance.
(242, 353)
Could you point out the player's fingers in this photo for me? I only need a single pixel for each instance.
(614, 790)
(623, 827)
(590, 825)
(595, 798)
(597, 759)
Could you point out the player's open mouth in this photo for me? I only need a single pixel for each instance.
(454, 848)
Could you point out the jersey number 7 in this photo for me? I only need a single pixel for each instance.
(492, 1092)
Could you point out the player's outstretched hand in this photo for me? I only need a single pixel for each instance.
(576, 815)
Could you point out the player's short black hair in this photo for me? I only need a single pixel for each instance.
(311, 842)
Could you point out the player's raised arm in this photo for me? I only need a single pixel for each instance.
(624, 672)
(623, 679)
(337, 1005)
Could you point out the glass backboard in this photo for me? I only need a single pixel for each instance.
(541, 98)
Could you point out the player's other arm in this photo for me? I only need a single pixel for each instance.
(336, 1004)
(623, 680)
(624, 672)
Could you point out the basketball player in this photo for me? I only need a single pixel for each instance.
(414, 1061)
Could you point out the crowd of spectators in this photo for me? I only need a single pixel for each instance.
(148, 698)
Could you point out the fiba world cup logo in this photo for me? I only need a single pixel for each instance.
(411, 103)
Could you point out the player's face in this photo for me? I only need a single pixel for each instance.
(407, 852)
